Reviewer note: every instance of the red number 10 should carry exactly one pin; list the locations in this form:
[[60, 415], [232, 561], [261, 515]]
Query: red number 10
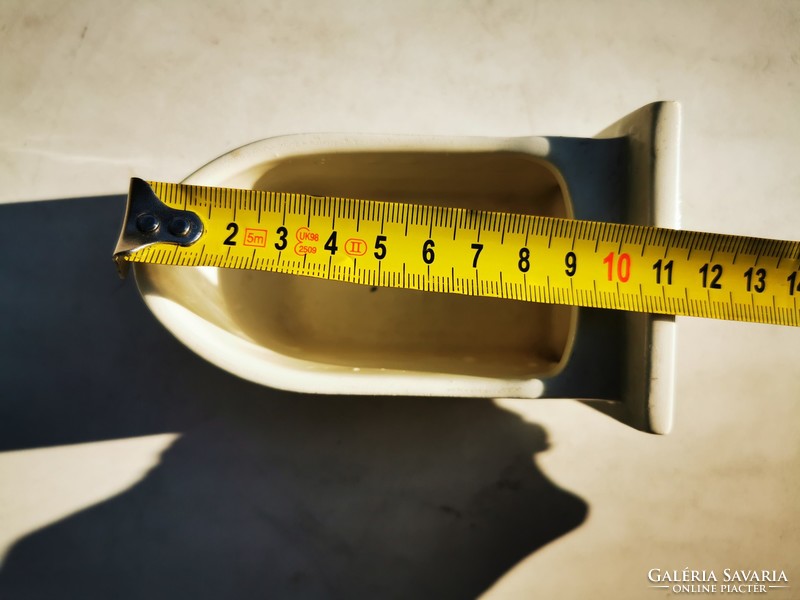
[[623, 266]]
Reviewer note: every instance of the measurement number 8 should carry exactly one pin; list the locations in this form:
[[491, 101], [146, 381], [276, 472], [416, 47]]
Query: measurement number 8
[[524, 263]]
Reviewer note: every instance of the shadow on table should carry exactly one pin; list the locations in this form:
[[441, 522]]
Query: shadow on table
[[266, 493]]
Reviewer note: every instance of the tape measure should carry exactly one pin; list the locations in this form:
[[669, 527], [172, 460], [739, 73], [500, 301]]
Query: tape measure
[[464, 251]]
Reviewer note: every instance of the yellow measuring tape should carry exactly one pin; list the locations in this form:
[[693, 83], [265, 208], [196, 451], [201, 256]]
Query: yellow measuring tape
[[475, 252]]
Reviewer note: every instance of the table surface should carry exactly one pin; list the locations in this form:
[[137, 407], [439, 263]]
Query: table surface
[[130, 467]]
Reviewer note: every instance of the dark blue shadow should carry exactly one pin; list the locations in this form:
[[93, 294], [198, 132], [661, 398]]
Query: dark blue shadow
[[266, 493]]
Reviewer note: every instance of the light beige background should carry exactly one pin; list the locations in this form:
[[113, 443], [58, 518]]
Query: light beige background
[[92, 93]]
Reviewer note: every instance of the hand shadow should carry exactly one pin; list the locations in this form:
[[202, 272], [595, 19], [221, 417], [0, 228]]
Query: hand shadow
[[266, 493]]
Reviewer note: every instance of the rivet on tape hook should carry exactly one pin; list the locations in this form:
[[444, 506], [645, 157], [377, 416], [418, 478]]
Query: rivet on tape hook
[[149, 221]]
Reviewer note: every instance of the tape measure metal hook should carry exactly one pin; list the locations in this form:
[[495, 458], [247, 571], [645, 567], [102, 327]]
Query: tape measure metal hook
[[150, 221]]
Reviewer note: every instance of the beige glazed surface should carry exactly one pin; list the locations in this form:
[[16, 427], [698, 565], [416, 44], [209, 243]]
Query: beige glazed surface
[[308, 335], [290, 328], [359, 326]]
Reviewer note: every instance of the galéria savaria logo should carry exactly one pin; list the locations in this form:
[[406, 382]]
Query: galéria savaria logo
[[727, 581]]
